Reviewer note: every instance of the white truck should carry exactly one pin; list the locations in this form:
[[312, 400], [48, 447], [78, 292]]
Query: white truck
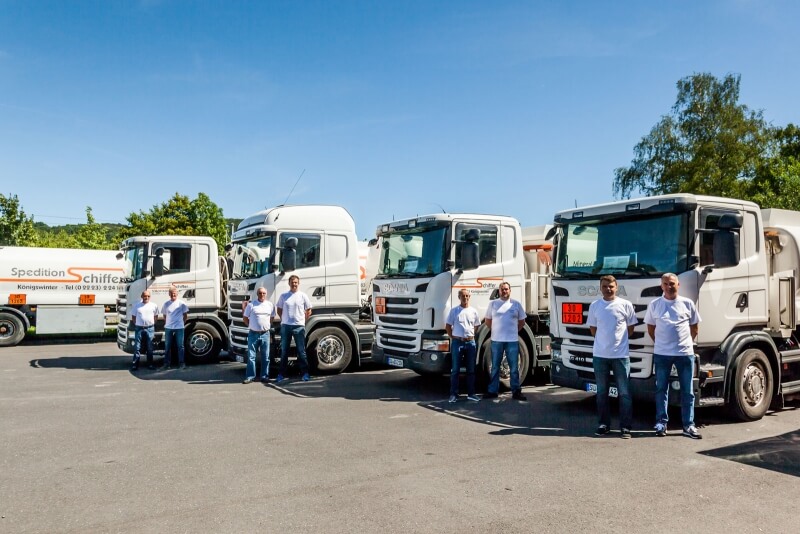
[[57, 291], [317, 243], [192, 264], [426, 260], [738, 263]]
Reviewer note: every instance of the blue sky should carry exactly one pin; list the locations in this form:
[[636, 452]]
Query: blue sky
[[392, 108]]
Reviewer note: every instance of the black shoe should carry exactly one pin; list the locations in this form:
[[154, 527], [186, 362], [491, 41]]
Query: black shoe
[[602, 430], [625, 433], [517, 395], [247, 381], [265, 380], [490, 395]]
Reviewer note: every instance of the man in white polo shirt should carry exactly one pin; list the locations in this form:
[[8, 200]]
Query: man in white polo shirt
[[143, 319], [257, 317], [294, 307]]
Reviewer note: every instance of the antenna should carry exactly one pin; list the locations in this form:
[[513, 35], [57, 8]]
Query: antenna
[[295, 185], [440, 207]]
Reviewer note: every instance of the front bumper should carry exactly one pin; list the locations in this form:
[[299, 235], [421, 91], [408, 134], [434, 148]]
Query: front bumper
[[423, 362]]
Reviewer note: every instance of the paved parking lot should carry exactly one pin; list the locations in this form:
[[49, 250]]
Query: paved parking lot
[[87, 446]]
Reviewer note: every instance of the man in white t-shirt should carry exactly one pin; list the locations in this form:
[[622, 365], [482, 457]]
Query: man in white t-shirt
[[175, 312], [461, 324], [294, 307], [257, 317], [672, 323], [611, 320], [506, 317], [143, 319]]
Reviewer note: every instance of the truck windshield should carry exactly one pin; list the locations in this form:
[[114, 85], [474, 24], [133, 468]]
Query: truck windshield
[[252, 258], [134, 261], [626, 246], [413, 252]]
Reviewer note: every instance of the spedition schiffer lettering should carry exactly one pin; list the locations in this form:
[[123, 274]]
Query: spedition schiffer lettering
[[44, 272]]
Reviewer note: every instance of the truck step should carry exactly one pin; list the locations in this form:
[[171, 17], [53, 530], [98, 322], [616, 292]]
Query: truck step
[[790, 356], [790, 387], [711, 401]]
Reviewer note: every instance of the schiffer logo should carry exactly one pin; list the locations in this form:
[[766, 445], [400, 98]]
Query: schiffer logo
[[70, 276], [594, 291]]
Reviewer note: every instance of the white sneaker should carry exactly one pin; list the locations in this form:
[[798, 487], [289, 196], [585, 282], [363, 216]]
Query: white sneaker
[[453, 399], [473, 398]]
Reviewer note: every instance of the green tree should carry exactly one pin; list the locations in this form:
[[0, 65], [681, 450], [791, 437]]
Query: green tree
[[16, 228], [777, 182], [92, 235], [708, 144], [179, 216]]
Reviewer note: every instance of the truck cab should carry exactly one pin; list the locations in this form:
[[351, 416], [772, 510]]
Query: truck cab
[[191, 264]]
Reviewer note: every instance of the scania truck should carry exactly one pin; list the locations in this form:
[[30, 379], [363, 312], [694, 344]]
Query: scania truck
[[318, 244], [426, 260], [737, 262], [192, 264], [57, 291]]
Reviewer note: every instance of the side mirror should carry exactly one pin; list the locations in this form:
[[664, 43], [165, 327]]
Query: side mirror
[[470, 258], [158, 266], [289, 255], [726, 248]]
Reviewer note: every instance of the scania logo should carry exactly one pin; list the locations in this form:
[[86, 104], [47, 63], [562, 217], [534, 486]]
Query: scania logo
[[594, 291], [394, 287]]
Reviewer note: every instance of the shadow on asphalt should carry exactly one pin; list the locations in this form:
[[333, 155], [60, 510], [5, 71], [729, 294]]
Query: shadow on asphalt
[[778, 453]]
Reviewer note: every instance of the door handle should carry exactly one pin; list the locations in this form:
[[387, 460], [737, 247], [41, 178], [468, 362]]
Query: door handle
[[741, 302], [319, 292]]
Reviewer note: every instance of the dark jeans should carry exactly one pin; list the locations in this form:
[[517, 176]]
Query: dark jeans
[[622, 373], [298, 332], [468, 351], [257, 342], [146, 333], [170, 335], [685, 367]]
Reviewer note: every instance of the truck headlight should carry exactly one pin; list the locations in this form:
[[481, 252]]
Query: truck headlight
[[555, 355], [435, 344]]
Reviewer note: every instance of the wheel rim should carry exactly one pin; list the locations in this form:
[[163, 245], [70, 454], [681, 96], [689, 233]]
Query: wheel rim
[[7, 329], [330, 350], [200, 344], [754, 384]]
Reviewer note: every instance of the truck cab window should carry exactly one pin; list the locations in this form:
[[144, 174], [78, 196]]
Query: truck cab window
[[308, 249], [487, 242]]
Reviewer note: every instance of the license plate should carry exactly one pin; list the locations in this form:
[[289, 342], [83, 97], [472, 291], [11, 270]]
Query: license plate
[[592, 388], [394, 362]]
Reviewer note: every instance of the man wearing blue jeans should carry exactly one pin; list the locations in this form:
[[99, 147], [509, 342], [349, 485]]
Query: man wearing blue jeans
[[143, 319], [175, 312], [461, 324], [672, 323], [611, 320], [505, 317], [294, 307], [257, 317]]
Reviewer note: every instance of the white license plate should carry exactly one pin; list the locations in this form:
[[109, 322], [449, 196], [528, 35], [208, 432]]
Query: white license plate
[[394, 362], [592, 388]]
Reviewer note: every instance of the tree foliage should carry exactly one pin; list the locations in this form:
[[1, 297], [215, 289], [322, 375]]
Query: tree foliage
[[179, 216], [708, 144], [16, 228]]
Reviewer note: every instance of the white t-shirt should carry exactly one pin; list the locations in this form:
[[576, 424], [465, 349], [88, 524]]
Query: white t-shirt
[[505, 316], [293, 308], [173, 311], [260, 314], [145, 313], [611, 318], [672, 319], [463, 321]]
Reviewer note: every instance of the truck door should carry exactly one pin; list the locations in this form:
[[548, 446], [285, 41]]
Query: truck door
[[310, 267], [484, 280], [179, 271], [723, 293], [342, 273]]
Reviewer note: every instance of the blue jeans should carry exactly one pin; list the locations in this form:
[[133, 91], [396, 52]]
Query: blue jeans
[[622, 373], [685, 367], [469, 351], [298, 332], [146, 332], [511, 349], [170, 335], [257, 341]]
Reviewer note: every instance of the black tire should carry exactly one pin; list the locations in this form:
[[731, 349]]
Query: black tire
[[12, 329], [505, 372], [202, 343], [330, 348], [752, 384]]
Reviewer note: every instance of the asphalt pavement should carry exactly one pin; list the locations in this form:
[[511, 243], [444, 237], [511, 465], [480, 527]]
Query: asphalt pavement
[[89, 446]]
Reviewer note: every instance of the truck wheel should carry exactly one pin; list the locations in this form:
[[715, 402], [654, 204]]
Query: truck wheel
[[331, 348], [752, 386], [505, 370], [202, 343], [11, 330]]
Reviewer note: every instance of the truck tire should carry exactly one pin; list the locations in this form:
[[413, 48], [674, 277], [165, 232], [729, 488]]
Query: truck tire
[[12, 330], [202, 343], [505, 371], [752, 386], [331, 348]]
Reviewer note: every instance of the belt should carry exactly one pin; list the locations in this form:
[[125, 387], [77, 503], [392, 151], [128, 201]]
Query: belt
[[259, 331], [467, 339]]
